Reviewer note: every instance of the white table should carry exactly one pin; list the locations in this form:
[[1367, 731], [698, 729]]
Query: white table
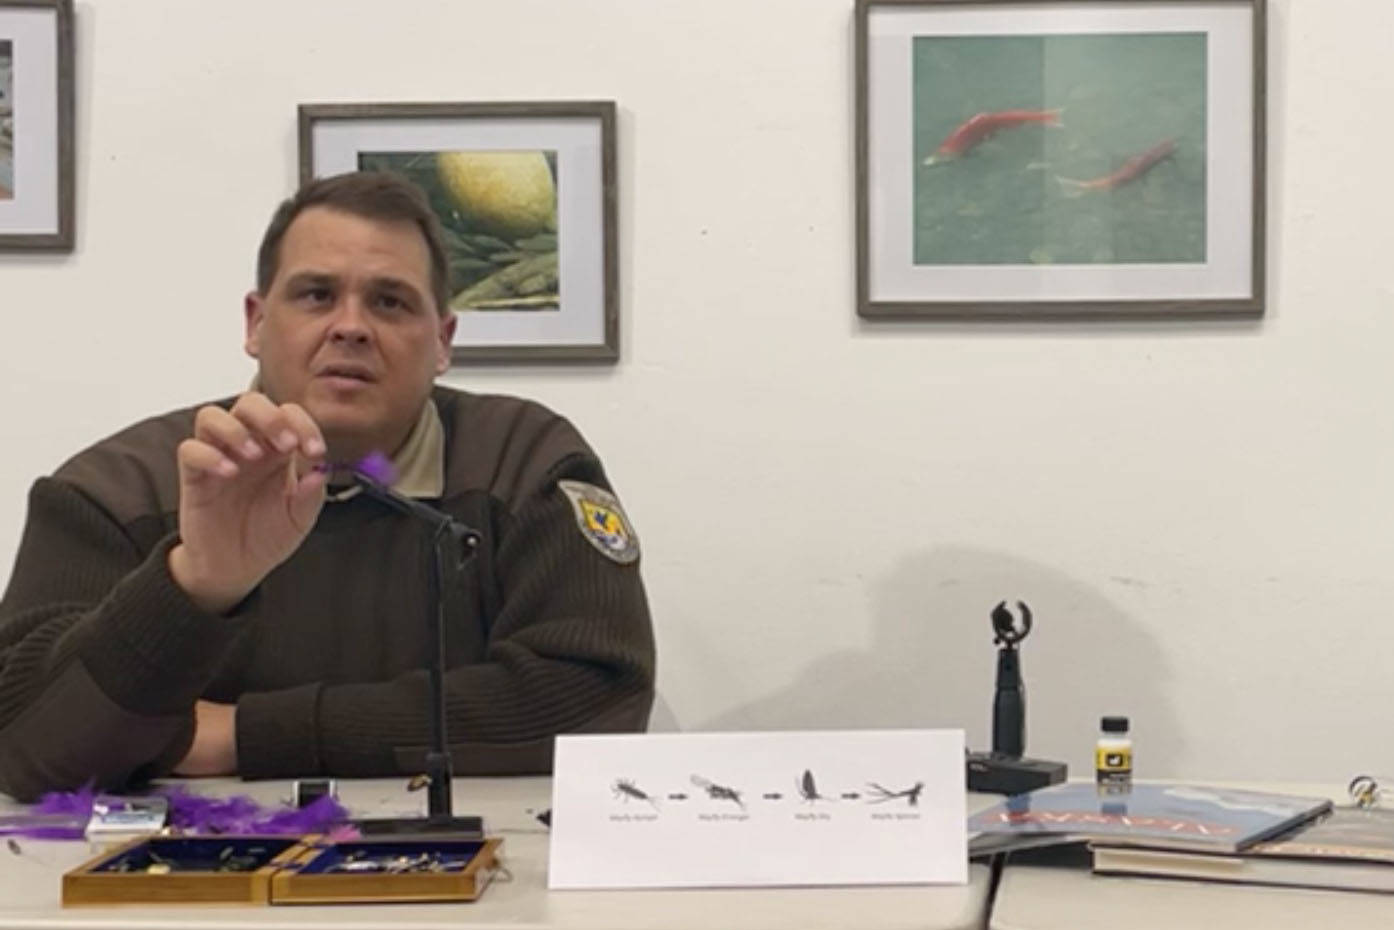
[[1050, 897], [1044, 898], [30, 884]]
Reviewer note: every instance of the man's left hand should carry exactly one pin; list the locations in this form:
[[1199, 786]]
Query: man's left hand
[[214, 750]]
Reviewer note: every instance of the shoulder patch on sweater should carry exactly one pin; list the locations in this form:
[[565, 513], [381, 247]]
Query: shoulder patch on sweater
[[602, 521]]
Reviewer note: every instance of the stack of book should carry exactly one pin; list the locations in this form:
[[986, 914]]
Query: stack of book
[[1199, 832], [1348, 848]]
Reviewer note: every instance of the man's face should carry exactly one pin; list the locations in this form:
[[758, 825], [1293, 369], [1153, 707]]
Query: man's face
[[349, 330]]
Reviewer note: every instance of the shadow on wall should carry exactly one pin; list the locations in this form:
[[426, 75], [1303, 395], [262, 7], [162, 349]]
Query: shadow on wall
[[661, 718], [932, 664]]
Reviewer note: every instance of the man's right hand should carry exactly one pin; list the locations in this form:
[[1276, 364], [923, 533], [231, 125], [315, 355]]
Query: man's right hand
[[249, 493]]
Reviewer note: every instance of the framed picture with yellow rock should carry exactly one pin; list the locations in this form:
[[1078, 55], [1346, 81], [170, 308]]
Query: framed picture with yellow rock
[[526, 195]]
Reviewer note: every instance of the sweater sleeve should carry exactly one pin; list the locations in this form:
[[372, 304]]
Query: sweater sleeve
[[102, 656], [570, 650]]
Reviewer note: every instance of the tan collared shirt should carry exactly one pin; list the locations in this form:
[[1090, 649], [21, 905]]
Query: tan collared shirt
[[420, 462]]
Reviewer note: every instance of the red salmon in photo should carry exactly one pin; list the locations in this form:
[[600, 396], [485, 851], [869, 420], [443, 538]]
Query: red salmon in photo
[[1130, 171], [978, 128]]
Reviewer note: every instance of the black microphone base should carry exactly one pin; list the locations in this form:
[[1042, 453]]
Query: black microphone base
[[994, 773], [470, 828]]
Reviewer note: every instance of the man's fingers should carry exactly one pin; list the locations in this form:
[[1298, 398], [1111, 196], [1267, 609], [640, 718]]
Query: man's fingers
[[198, 460], [266, 422], [310, 439], [286, 428], [216, 427], [307, 497]]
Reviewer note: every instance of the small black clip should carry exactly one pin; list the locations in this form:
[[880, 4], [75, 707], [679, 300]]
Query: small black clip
[[1004, 624]]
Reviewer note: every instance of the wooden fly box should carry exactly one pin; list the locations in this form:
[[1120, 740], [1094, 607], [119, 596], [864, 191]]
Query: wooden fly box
[[182, 870], [388, 870]]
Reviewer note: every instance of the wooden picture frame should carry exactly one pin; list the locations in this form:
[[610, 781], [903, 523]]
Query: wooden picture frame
[[36, 125], [1043, 159], [527, 195]]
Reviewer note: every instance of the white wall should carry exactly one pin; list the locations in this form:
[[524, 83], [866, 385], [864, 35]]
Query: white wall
[[1198, 513]]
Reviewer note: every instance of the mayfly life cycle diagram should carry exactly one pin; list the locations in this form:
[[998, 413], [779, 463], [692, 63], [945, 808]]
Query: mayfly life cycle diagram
[[807, 798]]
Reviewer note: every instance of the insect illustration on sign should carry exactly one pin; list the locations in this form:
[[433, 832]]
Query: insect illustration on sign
[[911, 794], [808, 788], [625, 789], [718, 792]]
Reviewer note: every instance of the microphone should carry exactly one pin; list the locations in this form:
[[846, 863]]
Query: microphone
[[374, 475]]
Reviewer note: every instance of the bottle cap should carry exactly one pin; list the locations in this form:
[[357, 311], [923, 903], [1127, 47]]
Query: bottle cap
[[1114, 724]]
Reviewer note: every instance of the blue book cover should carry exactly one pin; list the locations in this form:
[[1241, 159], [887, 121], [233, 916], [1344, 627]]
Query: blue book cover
[[1175, 816]]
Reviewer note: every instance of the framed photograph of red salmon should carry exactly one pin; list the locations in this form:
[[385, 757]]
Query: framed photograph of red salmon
[[1046, 159], [36, 125], [526, 197]]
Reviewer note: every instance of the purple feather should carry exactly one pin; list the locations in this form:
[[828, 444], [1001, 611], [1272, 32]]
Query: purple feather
[[199, 814], [59, 815], [63, 815], [44, 826], [195, 813], [321, 814], [378, 467], [77, 803]]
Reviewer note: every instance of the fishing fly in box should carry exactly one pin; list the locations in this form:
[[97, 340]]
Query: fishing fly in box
[[388, 870], [283, 870], [182, 870]]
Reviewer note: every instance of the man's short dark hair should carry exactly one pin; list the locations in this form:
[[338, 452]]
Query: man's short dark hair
[[372, 195]]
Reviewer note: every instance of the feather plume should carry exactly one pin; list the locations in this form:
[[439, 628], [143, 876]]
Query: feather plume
[[194, 813], [63, 815], [378, 467]]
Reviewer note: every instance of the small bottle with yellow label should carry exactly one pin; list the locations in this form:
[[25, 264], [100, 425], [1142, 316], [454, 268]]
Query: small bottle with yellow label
[[1113, 754]]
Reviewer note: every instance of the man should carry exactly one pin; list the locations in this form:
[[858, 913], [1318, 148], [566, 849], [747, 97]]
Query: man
[[205, 594]]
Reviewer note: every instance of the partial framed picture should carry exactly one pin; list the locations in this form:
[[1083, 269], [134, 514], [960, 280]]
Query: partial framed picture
[[1044, 159], [36, 125], [526, 193]]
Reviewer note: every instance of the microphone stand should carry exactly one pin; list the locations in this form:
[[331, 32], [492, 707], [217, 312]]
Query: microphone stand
[[453, 545]]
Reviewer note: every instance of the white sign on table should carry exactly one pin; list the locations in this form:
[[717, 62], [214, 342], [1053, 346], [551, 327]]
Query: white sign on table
[[865, 807]]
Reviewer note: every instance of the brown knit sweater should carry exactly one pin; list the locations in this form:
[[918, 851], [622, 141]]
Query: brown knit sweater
[[102, 656]]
